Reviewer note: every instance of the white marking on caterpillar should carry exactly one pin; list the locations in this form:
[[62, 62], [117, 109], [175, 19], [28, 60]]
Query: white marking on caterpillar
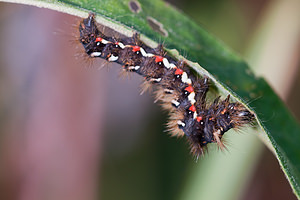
[[121, 45], [105, 41], [180, 123], [166, 63], [134, 67], [191, 98], [143, 52], [113, 58], [168, 91], [175, 103], [172, 66], [185, 78], [195, 115], [150, 55], [155, 80], [95, 54]]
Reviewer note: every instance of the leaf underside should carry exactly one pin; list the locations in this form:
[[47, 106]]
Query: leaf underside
[[229, 72]]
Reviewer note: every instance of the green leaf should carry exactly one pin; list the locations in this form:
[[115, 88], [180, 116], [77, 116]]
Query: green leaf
[[230, 74]]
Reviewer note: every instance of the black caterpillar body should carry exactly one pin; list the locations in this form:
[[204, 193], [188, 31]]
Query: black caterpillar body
[[182, 93]]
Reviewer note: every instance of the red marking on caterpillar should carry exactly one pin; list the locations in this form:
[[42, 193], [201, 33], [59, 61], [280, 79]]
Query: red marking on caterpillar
[[192, 108], [98, 39], [178, 72], [135, 48], [183, 94], [158, 59], [199, 118], [189, 89]]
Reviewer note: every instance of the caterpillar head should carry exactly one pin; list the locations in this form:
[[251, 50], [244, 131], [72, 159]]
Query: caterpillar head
[[88, 31]]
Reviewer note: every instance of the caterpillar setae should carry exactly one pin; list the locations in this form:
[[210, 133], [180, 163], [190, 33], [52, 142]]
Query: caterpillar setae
[[179, 90]]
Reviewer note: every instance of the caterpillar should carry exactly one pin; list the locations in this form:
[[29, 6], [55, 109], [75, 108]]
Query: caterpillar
[[179, 90]]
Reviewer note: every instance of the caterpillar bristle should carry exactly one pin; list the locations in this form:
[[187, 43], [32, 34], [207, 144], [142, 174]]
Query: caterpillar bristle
[[217, 138], [124, 74], [145, 87], [172, 125], [177, 88]]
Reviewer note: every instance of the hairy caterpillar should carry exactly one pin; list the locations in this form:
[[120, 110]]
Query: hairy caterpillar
[[181, 92]]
